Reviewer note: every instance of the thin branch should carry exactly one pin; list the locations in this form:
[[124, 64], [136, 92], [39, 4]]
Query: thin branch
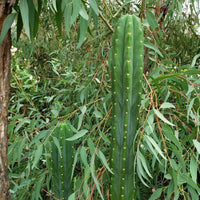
[[106, 21]]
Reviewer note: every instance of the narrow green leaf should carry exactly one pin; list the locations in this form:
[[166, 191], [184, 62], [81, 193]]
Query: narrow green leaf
[[169, 134], [67, 17], [82, 31], [179, 156], [37, 155], [167, 105], [153, 47], [72, 197], [94, 6], [103, 159], [191, 72], [151, 19], [20, 149], [105, 138], [91, 146], [92, 168], [56, 142], [193, 193], [98, 114], [175, 181], [160, 78], [74, 163], [83, 155], [140, 168], [193, 169], [6, 25], [77, 135], [83, 13], [151, 148], [76, 8], [190, 182], [156, 146], [160, 115], [32, 17], [83, 109], [197, 145], [170, 190], [194, 60], [189, 109], [54, 5], [156, 194], [144, 164], [24, 9], [80, 120], [21, 123], [139, 173]]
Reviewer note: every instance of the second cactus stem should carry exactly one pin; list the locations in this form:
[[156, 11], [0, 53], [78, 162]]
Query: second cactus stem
[[62, 161], [126, 63]]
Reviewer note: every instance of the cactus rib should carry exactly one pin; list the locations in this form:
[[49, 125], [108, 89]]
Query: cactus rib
[[127, 68]]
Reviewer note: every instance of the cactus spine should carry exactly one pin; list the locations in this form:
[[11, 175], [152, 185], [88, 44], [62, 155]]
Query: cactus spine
[[62, 161], [126, 63]]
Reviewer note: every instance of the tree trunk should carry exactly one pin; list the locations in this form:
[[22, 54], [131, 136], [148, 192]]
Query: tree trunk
[[5, 58]]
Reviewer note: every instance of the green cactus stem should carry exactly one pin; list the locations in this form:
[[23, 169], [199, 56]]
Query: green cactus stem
[[126, 63], [62, 161]]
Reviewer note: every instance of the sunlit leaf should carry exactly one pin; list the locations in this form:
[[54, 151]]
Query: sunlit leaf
[[97, 114], [194, 60], [151, 149], [193, 193], [155, 146], [197, 145], [6, 25], [74, 163], [72, 196], [193, 169], [82, 31], [67, 17], [83, 13], [167, 105], [189, 109], [161, 116], [144, 164], [54, 5], [77, 135], [94, 6], [23, 4], [103, 159], [156, 194]]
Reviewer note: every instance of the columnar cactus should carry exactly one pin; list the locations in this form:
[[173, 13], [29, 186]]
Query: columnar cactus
[[62, 161], [126, 63]]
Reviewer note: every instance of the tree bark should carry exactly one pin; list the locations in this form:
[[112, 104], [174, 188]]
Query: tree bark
[[5, 61]]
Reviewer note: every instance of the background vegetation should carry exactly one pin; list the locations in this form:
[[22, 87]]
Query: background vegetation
[[53, 82]]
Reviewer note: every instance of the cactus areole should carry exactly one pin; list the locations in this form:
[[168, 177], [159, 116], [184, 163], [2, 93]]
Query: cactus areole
[[126, 63]]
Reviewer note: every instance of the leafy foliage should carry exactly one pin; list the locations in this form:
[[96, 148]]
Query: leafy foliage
[[53, 82]]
